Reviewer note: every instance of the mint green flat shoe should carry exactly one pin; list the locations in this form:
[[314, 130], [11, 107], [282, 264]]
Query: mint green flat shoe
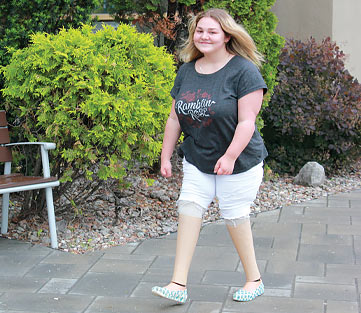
[[243, 295], [179, 296]]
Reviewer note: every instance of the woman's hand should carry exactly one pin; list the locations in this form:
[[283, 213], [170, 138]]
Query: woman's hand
[[224, 165], [166, 168]]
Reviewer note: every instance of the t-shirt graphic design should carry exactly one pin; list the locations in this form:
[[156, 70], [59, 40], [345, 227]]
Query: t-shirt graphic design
[[195, 108]]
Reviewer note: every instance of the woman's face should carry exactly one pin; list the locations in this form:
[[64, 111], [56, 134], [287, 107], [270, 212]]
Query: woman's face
[[209, 36]]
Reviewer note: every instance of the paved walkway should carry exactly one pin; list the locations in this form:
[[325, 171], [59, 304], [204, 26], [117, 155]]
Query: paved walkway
[[309, 255]]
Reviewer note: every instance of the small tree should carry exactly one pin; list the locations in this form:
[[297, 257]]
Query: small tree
[[102, 97]]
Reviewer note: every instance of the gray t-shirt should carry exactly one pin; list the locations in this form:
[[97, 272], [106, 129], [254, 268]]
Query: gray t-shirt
[[207, 106]]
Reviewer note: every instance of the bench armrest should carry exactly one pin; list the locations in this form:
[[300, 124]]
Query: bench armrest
[[46, 145]]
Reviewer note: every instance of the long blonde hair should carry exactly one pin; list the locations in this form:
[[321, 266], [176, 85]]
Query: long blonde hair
[[240, 43]]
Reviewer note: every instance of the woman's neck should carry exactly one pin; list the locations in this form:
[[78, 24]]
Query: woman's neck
[[211, 63]]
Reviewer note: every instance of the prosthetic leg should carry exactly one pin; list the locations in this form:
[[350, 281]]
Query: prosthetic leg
[[241, 234], [189, 224]]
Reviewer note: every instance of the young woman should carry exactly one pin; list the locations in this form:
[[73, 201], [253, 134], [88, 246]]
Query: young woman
[[217, 95]]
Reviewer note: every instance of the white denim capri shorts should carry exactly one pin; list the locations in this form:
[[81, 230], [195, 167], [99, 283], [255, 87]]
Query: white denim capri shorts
[[235, 192]]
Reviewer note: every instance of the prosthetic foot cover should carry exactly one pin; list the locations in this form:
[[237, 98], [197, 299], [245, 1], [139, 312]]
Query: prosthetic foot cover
[[179, 296], [243, 295]]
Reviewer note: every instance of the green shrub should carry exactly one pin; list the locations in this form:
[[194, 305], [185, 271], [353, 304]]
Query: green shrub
[[21, 18], [315, 112], [102, 97]]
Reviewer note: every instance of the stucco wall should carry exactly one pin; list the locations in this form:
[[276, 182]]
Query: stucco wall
[[346, 30], [301, 19], [338, 19]]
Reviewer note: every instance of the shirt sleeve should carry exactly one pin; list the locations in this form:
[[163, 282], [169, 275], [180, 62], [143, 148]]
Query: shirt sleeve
[[177, 82], [250, 80]]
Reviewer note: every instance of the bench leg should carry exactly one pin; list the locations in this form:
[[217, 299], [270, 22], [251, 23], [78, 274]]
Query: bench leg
[[5, 213], [51, 217]]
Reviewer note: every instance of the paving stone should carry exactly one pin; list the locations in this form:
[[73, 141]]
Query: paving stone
[[15, 246], [162, 276], [58, 286], [160, 246], [325, 291], [334, 202], [106, 284], [356, 220], [266, 217], [120, 266], [332, 212], [216, 228], [278, 281], [284, 242], [205, 307], [222, 258], [118, 305], [222, 239], [314, 229], [324, 239], [18, 264], [122, 249], [47, 270], [21, 284], [227, 278], [350, 271], [355, 204], [295, 267], [128, 257], [339, 280], [11, 311], [267, 304], [341, 306], [344, 230], [277, 254], [354, 194], [207, 293], [272, 292], [60, 257], [262, 242], [44, 302], [326, 254], [279, 229], [261, 266], [163, 261]]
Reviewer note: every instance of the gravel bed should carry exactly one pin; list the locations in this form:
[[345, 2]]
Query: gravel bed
[[149, 211]]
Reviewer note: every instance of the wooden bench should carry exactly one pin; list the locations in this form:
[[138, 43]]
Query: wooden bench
[[16, 182]]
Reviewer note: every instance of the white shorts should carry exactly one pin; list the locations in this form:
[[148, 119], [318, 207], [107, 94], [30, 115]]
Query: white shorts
[[235, 192]]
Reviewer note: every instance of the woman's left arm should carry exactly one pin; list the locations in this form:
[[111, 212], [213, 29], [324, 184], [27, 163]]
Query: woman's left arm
[[248, 108]]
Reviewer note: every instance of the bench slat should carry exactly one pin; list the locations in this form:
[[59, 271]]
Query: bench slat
[[9, 181]]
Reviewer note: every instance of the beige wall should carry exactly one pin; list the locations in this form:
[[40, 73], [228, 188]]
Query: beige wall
[[338, 19], [346, 31]]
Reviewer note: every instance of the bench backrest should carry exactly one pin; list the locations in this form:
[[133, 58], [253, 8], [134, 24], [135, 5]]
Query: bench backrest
[[5, 152]]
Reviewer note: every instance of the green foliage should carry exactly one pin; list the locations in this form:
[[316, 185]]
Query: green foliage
[[102, 97], [20, 18], [315, 112]]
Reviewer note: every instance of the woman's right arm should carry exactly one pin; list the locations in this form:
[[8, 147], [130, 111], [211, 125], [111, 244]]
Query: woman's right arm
[[171, 136]]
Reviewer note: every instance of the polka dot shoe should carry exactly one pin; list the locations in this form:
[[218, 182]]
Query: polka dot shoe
[[179, 296], [243, 295]]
